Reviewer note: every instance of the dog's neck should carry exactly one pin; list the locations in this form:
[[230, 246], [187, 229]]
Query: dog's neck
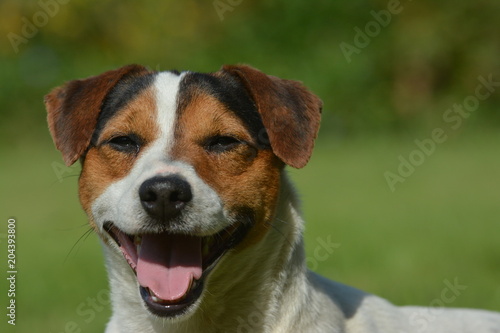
[[247, 291]]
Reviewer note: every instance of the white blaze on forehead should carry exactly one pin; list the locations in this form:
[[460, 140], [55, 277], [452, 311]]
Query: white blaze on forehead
[[166, 88], [156, 155]]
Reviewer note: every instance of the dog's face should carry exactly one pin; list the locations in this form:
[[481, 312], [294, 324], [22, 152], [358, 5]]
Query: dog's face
[[180, 168]]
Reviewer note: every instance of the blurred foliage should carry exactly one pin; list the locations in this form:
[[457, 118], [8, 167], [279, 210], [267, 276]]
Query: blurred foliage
[[426, 58]]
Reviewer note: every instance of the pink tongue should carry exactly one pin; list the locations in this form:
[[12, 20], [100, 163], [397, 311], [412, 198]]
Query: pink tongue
[[168, 263]]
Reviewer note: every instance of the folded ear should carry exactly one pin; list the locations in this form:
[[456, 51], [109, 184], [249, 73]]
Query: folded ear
[[290, 113], [73, 109]]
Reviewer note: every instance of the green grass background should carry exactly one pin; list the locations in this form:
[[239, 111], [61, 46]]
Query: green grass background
[[442, 223]]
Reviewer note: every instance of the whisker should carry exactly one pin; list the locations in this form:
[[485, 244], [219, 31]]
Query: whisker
[[271, 224], [280, 220], [83, 237], [73, 228]]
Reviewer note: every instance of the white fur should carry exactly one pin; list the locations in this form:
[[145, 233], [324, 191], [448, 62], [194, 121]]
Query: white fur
[[166, 88]]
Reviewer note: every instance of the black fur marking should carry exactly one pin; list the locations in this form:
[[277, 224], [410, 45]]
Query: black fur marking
[[119, 96], [232, 94]]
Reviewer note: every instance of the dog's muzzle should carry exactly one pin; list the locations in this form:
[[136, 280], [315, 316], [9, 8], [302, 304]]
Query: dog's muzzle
[[171, 267]]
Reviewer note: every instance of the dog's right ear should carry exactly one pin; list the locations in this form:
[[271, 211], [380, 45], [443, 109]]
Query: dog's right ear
[[73, 109]]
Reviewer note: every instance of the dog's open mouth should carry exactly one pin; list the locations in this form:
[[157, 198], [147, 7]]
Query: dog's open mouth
[[171, 268]]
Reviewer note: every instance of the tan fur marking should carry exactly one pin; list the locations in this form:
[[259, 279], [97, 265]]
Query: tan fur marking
[[73, 109], [245, 178], [103, 165]]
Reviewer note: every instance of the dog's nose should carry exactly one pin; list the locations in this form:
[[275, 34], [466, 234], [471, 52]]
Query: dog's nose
[[164, 197]]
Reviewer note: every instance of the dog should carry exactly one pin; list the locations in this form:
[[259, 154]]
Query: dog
[[183, 178]]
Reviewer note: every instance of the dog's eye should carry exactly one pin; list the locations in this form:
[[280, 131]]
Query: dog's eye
[[221, 143], [125, 143]]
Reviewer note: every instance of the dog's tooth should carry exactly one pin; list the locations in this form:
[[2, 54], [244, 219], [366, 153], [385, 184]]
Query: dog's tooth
[[194, 284], [137, 242]]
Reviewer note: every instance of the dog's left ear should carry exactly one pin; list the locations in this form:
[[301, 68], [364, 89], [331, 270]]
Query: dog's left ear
[[73, 109], [290, 113]]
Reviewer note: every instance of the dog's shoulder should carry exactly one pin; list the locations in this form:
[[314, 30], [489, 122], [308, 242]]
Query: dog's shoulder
[[351, 301], [364, 312]]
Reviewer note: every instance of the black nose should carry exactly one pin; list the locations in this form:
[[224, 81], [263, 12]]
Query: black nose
[[164, 197]]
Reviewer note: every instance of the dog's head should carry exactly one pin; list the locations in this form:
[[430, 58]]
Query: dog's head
[[180, 168]]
